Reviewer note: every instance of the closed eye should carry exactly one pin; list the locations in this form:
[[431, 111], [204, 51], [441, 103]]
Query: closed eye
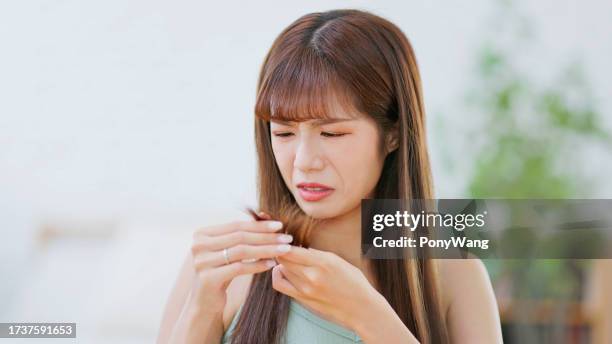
[[283, 134], [328, 134], [324, 133]]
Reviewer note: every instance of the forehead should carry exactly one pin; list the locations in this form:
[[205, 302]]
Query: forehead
[[304, 100], [333, 108], [315, 122]]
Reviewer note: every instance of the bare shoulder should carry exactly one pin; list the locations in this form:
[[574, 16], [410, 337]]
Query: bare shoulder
[[468, 299], [453, 271], [457, 275]]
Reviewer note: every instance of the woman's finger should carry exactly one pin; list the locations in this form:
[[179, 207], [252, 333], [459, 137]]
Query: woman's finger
[[215, 243], [209, 259], [265, 215], [282, 284], [295, 277], [305, 256], [300, 282], [250, 226], [230, 271], [295, 268]]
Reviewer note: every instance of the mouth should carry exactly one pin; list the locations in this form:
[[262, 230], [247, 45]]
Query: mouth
[[312, 192]]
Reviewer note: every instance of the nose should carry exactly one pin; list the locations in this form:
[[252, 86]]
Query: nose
[[307, 155]]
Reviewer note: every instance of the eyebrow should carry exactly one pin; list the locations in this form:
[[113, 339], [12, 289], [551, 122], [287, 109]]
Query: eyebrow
[[316, 122]]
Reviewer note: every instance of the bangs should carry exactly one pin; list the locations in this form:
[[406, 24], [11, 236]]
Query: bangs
[[302, 87]]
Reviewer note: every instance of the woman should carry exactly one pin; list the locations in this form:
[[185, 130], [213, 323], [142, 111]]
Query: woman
[[339, 118]]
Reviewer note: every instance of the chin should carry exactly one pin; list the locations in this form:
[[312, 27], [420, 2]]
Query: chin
[[318, 210]]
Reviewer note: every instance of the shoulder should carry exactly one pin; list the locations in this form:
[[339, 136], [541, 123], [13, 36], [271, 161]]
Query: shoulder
[[462, 271], [468, 298], [459, 276]]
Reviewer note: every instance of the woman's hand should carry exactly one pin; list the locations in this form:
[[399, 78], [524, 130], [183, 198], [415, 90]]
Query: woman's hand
[[327, 284], [251, 248]]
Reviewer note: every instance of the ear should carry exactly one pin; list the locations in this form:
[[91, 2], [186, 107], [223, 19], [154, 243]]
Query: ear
[[392, 140]]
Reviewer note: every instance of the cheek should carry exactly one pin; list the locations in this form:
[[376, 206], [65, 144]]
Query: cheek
[[284, 159], [359, 164]]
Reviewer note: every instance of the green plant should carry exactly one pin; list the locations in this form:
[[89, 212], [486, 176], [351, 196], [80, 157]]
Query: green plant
[[526, 139]]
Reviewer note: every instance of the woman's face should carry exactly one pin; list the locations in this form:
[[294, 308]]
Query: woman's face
[[328, 165]]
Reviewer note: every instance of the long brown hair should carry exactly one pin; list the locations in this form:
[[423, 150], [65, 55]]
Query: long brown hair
[[367, 64]]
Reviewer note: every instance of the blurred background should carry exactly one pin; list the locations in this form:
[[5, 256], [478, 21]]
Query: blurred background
[[125, 125]]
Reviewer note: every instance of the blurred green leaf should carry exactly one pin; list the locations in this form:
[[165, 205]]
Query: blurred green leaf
[[525, 143]]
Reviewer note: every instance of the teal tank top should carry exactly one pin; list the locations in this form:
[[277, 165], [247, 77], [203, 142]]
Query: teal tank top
[[304, 327]]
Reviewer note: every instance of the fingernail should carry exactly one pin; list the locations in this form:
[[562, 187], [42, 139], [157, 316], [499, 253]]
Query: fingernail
[[283, 248], [275, 225], [287, 238], [270, 263]]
